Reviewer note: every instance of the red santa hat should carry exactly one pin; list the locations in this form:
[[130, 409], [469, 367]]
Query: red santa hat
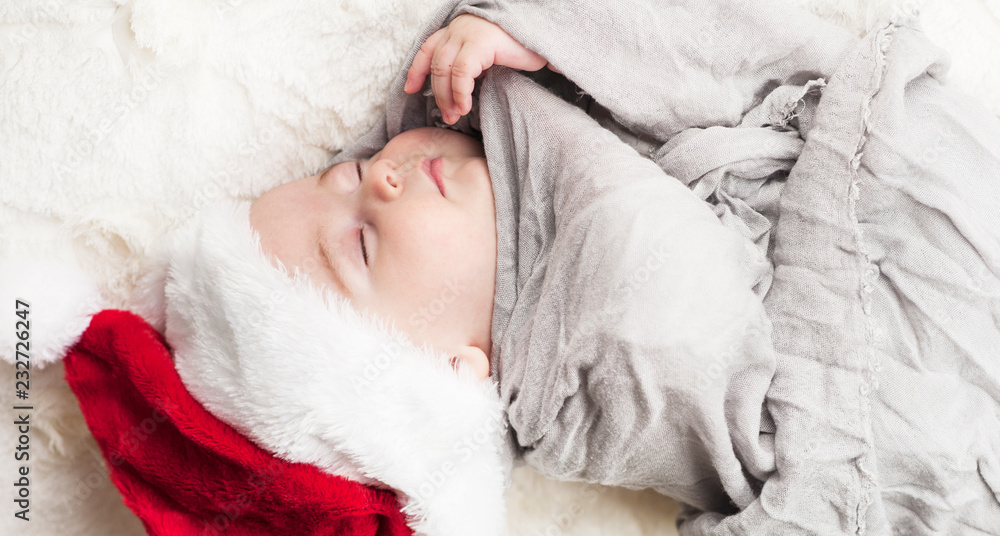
[[306, 376]]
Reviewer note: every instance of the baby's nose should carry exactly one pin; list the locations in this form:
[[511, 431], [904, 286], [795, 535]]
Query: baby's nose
[[387, 180]]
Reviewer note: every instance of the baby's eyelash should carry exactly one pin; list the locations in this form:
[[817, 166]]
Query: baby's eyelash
[[361, 230], [364, 250]]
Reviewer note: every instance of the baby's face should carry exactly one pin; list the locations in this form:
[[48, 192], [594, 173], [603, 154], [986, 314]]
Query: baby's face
[[409, 234]]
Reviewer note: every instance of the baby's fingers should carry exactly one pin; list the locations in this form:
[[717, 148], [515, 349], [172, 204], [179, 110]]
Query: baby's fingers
[[469, 64], [441, 68], [421, 66]]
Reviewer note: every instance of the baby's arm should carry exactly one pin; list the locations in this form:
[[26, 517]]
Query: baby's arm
[[456, 54]]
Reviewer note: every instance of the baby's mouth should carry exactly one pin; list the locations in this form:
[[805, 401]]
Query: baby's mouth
[[433, 169]]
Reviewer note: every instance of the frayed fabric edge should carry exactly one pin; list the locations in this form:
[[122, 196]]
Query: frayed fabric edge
[[869, 275]]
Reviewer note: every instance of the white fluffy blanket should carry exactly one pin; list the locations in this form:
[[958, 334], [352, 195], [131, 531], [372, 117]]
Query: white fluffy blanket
[[119, 118]]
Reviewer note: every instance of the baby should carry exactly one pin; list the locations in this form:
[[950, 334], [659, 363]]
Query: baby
[[605, 275], [413, 223], [416, 221], [410, 235], [418, 318], [344, 320]]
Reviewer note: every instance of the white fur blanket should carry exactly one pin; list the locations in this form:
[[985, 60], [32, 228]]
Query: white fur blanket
[[119, 118]]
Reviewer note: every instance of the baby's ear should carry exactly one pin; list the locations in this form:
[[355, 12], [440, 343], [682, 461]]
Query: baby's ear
[[475, 360]]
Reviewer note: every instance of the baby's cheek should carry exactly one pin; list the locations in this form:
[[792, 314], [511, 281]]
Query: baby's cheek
[[442, 231]]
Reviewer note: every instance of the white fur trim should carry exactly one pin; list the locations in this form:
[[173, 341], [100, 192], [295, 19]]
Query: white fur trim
[[61, 297], [307, 377]]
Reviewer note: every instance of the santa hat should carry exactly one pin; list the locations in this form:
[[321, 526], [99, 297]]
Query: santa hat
[[307, 377]]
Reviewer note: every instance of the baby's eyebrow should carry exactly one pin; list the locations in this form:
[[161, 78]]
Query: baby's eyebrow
[[326, 253]]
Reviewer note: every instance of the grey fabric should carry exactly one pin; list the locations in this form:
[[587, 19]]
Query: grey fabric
[[610, 309], [633, 338]]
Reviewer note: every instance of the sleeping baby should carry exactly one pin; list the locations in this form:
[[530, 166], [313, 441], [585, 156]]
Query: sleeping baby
[[393, 233], [583, 290], [365, 319]]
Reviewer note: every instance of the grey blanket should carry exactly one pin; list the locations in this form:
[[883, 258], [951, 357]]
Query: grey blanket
[[819, 356]]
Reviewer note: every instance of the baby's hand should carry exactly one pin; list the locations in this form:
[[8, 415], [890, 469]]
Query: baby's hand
[[458, 53]]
